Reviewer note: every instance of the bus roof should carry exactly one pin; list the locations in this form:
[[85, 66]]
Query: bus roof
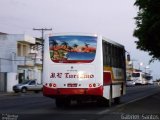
[[112, 42], [75, 34]]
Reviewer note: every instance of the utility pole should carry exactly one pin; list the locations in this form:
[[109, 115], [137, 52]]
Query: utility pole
[[42, 31]]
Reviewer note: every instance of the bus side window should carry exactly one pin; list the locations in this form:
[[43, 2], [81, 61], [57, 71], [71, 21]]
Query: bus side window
[[109, 62], [104, 54]]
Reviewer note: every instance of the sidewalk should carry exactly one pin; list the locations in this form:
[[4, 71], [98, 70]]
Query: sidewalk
[[16, 94], [7, 93]]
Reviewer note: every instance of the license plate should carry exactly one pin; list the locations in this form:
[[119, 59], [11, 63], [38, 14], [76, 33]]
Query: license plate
[[72, 85]]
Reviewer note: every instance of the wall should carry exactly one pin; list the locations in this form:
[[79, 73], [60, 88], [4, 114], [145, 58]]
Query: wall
[[12, 80], [8, 46], [3, 82]]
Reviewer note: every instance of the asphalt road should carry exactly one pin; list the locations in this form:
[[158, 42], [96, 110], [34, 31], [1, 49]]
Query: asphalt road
[[32, 106]]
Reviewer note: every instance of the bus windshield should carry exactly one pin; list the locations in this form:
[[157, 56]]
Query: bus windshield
[[135, 74], [72, 49]]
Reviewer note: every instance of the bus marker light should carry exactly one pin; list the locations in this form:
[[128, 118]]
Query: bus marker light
[[54, 85], [50, 84], [94, 85]]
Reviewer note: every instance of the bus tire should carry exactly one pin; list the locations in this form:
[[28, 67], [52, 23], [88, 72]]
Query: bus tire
[[67, 102], [59, 102], [102, 102], [117, 100], [109, 103]]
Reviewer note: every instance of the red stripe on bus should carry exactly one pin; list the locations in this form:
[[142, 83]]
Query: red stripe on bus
[[72, 91], [107, 78]]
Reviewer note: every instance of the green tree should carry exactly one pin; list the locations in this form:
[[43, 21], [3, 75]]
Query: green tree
[[148, 27]]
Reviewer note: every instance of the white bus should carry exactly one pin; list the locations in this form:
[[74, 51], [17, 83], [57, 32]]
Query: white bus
[[149, 79], [141, 78], [82, 67]]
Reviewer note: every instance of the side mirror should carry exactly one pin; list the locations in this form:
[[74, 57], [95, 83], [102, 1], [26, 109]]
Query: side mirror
[[128, 57]]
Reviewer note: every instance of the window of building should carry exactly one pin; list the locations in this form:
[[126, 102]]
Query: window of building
[[22, 49]]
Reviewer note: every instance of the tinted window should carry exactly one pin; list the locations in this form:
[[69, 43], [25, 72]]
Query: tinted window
[[32, 83], [113, 55], [135, 74]]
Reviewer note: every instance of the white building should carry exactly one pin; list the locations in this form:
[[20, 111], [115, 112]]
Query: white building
[[21, 54]]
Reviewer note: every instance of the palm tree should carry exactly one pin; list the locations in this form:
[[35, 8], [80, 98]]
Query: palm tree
[[86, 45], [54, 43], [70, 48], [65, 44], [83, 49], [75, 45]]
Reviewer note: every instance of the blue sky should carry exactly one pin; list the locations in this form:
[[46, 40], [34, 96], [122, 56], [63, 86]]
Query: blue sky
[[110, 18]]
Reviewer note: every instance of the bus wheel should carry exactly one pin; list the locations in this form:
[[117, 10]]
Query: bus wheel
[[109, 102], [67, 102], [117, 100], [59, 102], [102, 102], [79, 102]]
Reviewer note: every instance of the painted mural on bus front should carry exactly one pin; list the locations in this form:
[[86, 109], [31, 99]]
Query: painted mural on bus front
[[72, 49]]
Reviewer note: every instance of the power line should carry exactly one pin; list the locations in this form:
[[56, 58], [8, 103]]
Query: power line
[[13, 60], [42, 30]]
